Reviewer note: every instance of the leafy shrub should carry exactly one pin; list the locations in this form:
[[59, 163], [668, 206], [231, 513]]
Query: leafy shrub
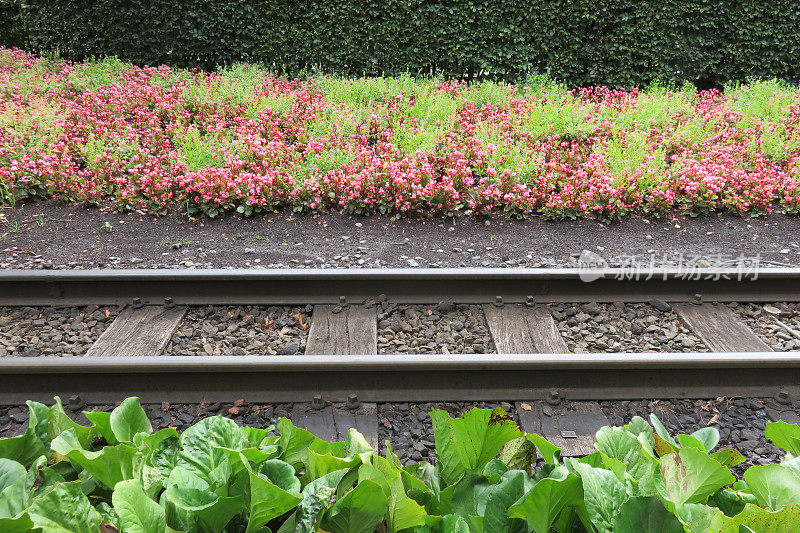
[[59, 476], [581, 42]]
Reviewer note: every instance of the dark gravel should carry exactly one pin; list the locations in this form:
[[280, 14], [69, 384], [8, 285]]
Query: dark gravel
[[777, 323], [624, 327], [442, 328], [52, 331], [49, 234], [242, 330]]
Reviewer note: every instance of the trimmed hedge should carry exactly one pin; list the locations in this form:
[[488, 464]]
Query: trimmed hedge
[[581, 42]]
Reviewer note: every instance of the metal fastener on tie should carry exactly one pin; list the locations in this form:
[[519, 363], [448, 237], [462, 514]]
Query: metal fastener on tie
[[353, 402]]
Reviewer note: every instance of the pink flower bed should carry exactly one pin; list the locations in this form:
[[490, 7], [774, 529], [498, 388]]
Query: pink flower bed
[[152, 138]]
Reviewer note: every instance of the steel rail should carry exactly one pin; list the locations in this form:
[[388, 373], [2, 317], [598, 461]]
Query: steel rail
[[321, 286], [401, 377]]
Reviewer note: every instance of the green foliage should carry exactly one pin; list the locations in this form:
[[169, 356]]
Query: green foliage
[[584, 42], [218, 477]]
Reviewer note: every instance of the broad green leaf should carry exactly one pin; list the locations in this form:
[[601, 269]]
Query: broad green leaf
[[755, 519], [731, 502], [297, 442], [519, 453], [64, 509], [603, 493], [58, 421], [687, 441], [110, 465], [549, 452], [356, 443], [318, 465], [626, 449], [136, 511], [696, 516], [274, 490], [360, 511], [545, 501], [196, 510], [403, 512], [792, 464], [498, 498], [639, 426], [10, 471], [661, 431], [128, 419], [102, 423], [645, 514], [728, 457], [317, 496], [784, 436], [200, 448], [20, 524], [33, 443], [708, 436], [16, 496], [691, 476], [773, 485], [468, 491], [470, 441]]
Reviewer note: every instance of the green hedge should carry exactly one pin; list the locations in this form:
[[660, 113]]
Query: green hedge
[[582, 42], [12, 33]]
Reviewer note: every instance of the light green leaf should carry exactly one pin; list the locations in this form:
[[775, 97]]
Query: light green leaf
[[274, 490], [545, 501], [403, 512], [628, 455], [33, 443], [691, 476], [110, 465], [10, 471], [64, 509], [470, 441], [137, 513], [728, 457], [58, 421], [360, 511], [645, 514], [498, 498], [603, 493], [784, 436], [549, 452], [758, 520], [519, 453], [200, 448], [101, 421], [128, 419], [708, 436], [661, 431], [317, 496], [773, 485]]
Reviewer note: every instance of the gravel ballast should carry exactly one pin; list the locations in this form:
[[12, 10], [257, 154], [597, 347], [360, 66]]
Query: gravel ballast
[[52, 331], [443, 328], [242, 330], [623, 327], [777, 323]]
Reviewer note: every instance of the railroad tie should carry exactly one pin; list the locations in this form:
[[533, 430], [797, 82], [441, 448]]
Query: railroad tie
[[332, 422], [343, 330], [720, 328], [518, 329], [142, 331], [570, 426]]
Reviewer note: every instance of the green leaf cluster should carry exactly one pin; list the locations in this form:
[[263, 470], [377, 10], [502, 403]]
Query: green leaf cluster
[[490, 476]]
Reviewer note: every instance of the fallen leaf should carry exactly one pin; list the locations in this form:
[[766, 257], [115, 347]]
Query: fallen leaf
[[234, 410], [714, 420], [165, 406], [238, 403], [525, 406]]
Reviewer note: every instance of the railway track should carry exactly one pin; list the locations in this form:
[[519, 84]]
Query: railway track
[[342, 377]]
